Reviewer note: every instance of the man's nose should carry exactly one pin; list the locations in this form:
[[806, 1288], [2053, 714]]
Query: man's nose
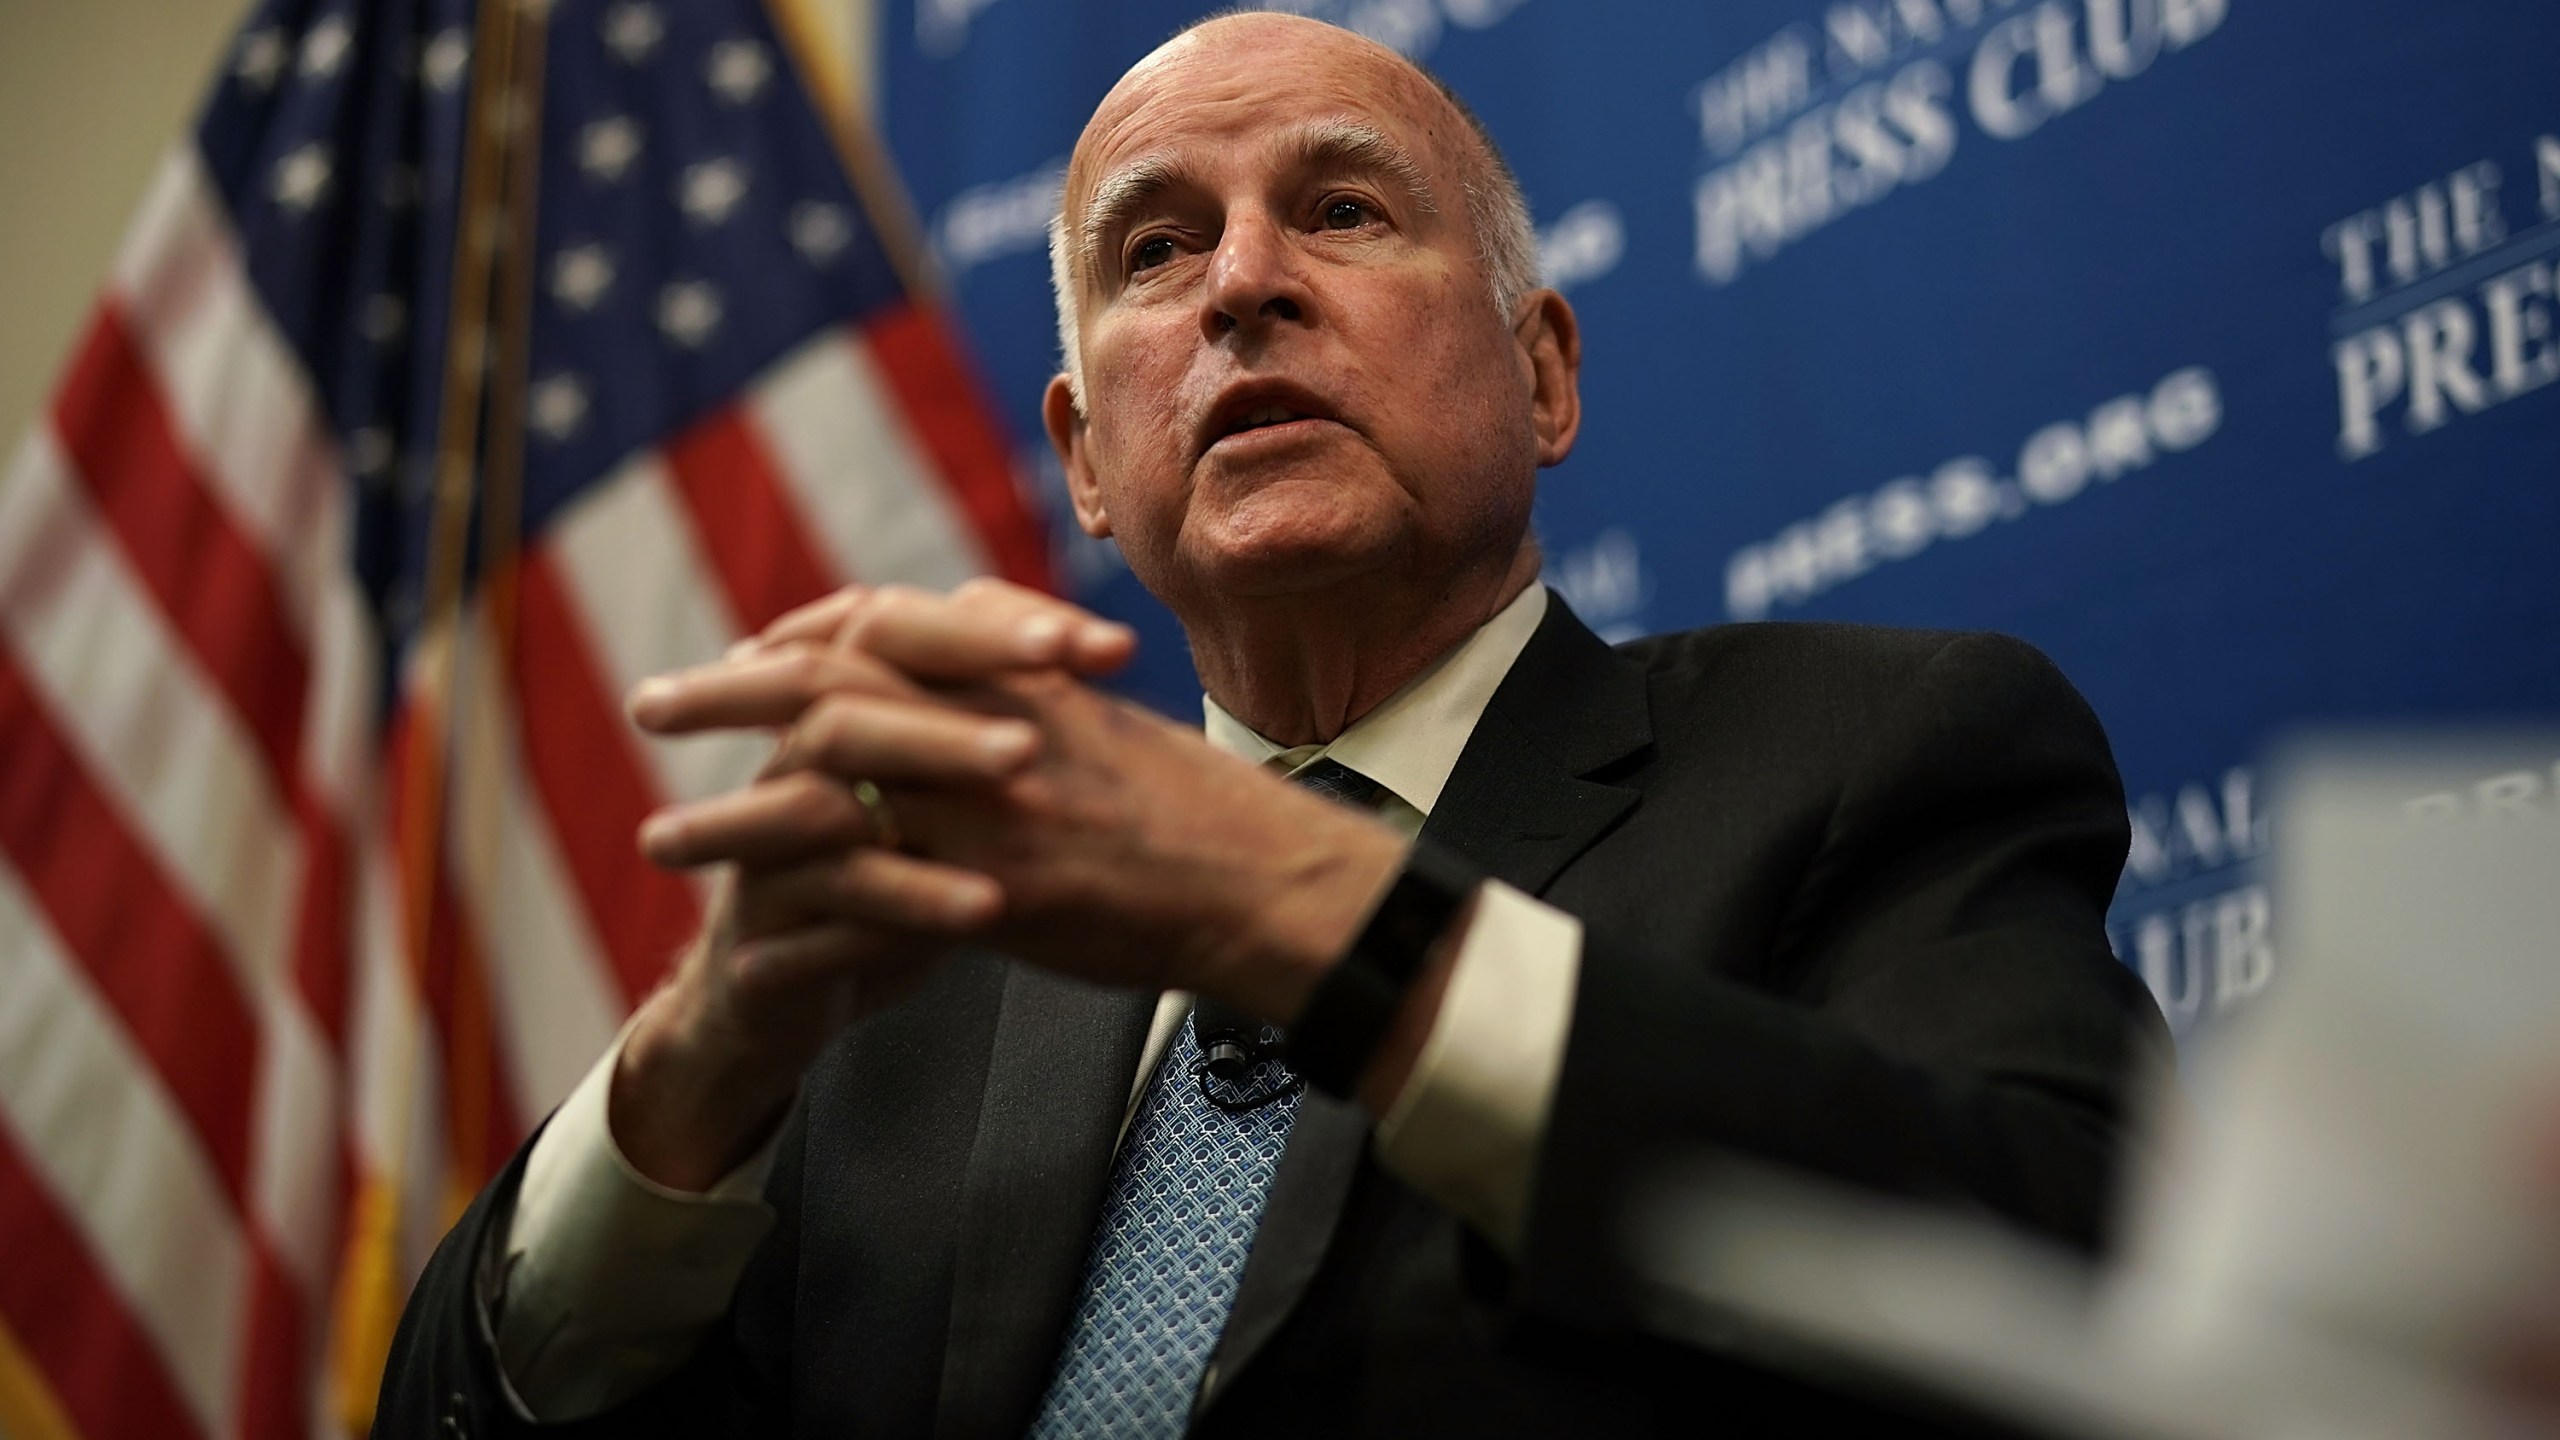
[[1254, 279]]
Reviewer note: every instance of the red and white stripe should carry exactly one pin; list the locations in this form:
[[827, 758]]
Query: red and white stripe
[[212, 1031]]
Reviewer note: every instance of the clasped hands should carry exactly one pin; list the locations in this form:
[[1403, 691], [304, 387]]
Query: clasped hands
[[1033, 815]]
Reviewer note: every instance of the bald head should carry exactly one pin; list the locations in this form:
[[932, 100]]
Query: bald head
[[1224, 53]]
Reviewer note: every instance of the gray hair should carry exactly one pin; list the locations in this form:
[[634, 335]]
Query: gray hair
[[1506, 242]]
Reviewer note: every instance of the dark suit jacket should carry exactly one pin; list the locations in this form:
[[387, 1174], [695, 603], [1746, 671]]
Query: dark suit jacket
[[1843, 893]]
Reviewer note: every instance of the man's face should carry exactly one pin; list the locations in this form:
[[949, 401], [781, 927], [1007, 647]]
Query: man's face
[[1294, 371]]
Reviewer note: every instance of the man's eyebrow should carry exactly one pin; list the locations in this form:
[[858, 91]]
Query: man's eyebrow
[[1353, 145], [1116, 197], [1312, 146]]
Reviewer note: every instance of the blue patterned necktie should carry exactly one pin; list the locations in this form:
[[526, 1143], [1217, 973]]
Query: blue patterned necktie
[[1186, 1196]]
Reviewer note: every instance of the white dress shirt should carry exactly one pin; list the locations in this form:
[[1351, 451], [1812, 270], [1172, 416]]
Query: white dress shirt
[[607, 1281]]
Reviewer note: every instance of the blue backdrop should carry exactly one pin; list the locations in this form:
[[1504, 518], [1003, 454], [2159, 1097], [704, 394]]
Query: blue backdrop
[[2208, 344]]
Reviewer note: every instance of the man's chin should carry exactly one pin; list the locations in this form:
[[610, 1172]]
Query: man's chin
[[1299, 564]]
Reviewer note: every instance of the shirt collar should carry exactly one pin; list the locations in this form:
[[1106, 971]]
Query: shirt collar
[[1411, 742]]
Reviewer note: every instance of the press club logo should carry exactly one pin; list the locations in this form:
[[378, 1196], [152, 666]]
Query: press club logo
[[2445, 308], [1826, 118]]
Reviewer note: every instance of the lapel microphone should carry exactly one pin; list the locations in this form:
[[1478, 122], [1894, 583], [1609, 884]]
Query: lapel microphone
[[1233, 1045]]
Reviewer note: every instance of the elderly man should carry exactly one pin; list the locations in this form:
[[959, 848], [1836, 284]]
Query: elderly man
[[1829, 897]]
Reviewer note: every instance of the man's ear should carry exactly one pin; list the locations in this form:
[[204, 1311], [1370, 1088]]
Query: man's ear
[[1066, 436], [1551, 341]]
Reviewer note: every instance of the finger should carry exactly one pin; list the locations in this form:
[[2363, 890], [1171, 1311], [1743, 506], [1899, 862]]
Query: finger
[[816, 622], [868, 886], [767, 687], [806, 800], [985, 629], [1088, 645], [862, 737], [1102, 648], [777, 821]]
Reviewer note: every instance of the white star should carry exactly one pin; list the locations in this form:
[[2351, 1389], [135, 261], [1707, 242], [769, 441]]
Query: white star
[[559, 406], [369, 453], [738, 69], [580, 275], [384, 319], [632, 31], [820, 231], [301, 178], [447, 60], [325, 46], [688, 311], [710, 191], [261, 59], [607, 147]]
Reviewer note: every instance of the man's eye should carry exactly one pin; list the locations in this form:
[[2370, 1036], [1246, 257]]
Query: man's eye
[[1151, 252], [1347, 215]]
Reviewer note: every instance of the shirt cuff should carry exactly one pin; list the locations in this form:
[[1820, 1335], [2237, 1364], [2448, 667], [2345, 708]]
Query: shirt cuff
[[609, 1280], [1466, 1129]]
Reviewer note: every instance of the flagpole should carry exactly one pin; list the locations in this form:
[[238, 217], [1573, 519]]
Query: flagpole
[[502, 125], [478, 737], [827, 77]]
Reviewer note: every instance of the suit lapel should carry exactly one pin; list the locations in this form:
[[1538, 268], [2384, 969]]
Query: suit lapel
[[1518, 807], [1057, 1087], [1518, 804]]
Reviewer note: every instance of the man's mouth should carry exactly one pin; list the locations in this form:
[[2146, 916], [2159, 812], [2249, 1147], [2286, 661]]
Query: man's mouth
[[1266, 406], [1264, 416]]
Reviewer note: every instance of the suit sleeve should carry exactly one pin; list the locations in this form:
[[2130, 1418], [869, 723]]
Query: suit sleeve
[[443, 1380], [1942, 1018]]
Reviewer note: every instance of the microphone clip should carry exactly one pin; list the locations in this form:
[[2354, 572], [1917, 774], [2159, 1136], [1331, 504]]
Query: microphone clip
[[1233, 1047]]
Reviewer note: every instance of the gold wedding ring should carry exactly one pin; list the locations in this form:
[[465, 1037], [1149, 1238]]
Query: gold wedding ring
[[875, 809]]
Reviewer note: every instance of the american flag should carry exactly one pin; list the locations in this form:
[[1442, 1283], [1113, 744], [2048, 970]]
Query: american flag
[[464, 366]]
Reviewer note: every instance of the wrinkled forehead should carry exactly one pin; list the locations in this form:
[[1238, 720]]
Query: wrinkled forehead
[[1252, 85]]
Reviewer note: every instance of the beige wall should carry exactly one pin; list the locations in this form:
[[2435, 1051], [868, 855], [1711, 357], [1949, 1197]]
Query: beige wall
[[91, 93]]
